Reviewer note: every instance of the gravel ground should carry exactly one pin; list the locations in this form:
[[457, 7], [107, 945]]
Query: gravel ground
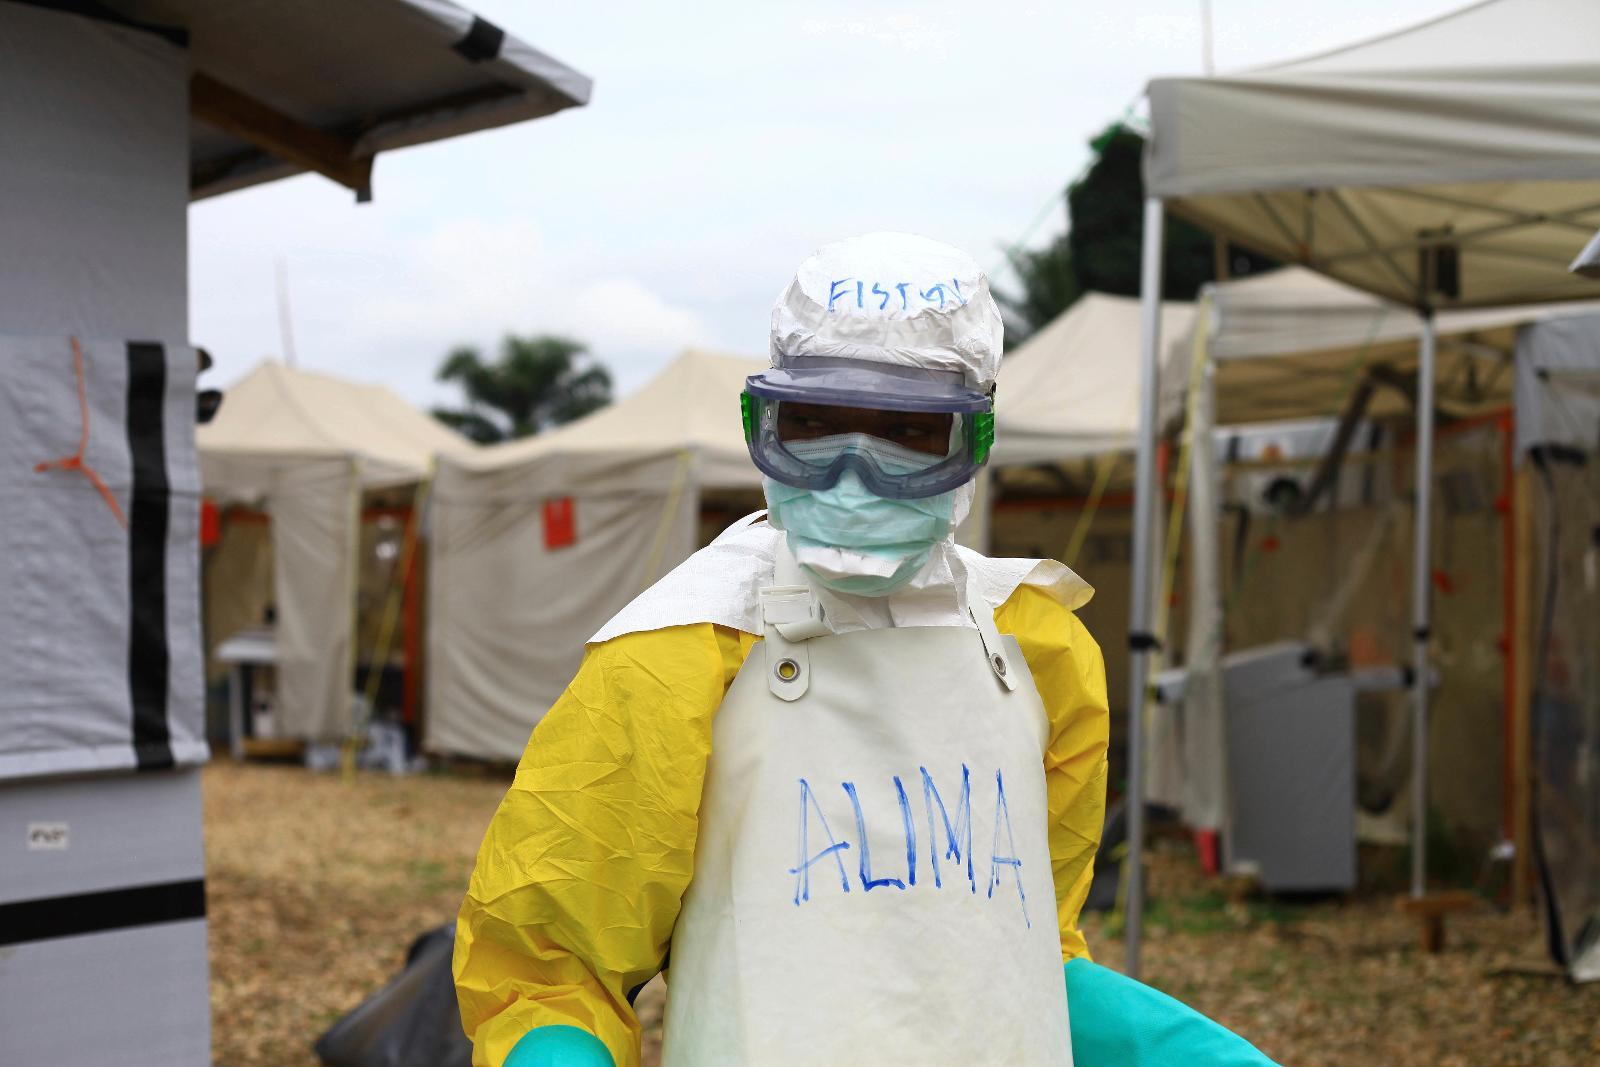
[[316, 888]]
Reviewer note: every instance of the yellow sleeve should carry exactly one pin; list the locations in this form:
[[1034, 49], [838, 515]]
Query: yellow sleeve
[[583, 868], [1071, 676]]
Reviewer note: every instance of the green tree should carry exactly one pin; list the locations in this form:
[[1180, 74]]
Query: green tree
[[1101, 248], [1046, 286], [534, 383]]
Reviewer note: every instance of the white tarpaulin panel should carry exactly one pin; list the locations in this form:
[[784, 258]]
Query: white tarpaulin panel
[[1072, 388], [100, 637], [92, 179], [1478, 130], [525, 562]]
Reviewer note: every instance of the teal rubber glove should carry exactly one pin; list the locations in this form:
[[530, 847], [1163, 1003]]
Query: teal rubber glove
[[1117, 1022], [559, 1046]]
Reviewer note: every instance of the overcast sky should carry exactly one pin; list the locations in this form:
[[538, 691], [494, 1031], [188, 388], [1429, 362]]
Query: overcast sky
[[723, 143]]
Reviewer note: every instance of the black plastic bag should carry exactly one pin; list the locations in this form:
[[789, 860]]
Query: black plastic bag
[[411, 1022]]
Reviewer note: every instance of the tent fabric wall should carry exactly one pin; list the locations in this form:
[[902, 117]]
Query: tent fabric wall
[[1558, 437], [305, 446], [510, 606], [100, 639], [315, 508], [1566, 708]]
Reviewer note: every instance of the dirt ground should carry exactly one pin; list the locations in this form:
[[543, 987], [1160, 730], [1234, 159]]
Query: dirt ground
[[317, 887]]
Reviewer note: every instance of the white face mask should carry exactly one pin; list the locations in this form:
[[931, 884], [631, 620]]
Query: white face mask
[[853, 541]]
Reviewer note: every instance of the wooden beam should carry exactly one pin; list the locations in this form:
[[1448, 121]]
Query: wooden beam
[[270, 130]]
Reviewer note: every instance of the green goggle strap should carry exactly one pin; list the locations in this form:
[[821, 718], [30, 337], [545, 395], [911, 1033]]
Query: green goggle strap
[[748, 411], [982, 435]]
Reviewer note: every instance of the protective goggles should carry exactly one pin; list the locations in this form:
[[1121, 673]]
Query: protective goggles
[[905, 432]]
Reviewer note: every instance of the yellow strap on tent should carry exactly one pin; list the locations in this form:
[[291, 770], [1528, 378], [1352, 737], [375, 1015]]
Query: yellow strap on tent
[[658, 545], [1103, 464]]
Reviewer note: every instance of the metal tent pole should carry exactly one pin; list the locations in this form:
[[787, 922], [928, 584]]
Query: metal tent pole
[[1139, 638], [1421, 589]]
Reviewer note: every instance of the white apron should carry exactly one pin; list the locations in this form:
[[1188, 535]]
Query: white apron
[[872, 877]]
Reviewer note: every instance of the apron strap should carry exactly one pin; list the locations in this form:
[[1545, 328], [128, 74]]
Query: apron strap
[[994, 649], [791, 615]]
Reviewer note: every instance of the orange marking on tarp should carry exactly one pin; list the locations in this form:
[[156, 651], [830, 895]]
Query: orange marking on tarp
[[75, 461]]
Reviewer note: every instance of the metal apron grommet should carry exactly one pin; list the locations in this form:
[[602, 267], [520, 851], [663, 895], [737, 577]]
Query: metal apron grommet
[[787, 670], [982, 617]]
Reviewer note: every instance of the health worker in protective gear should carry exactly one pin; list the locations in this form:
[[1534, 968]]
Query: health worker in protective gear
[[840, 778]]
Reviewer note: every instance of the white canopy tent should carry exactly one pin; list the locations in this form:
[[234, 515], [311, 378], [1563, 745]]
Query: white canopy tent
[[304, 446], [1454, 164], [1072, 388], [535, 544], [1289, 345]]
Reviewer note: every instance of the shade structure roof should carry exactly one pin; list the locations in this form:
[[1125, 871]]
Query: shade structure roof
[[691, 406], [280, 415], [1072, 389], [1292, 344], [1476, 133], [293, 85]]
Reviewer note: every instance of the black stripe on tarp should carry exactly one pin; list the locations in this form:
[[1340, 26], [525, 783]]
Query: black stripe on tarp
[[149, 661], [482, 42], [96, 913]]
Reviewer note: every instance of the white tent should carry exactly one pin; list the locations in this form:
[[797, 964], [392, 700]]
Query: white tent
[[1072, 388], [535, 544], [304, 446], [1453, 164]]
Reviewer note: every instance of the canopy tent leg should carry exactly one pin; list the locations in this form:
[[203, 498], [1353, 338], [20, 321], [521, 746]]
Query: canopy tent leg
[[1206, 783], [1139, 636], [1421, 589]]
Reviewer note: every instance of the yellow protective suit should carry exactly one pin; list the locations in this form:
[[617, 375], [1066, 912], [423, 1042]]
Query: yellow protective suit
[[584, 866]]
